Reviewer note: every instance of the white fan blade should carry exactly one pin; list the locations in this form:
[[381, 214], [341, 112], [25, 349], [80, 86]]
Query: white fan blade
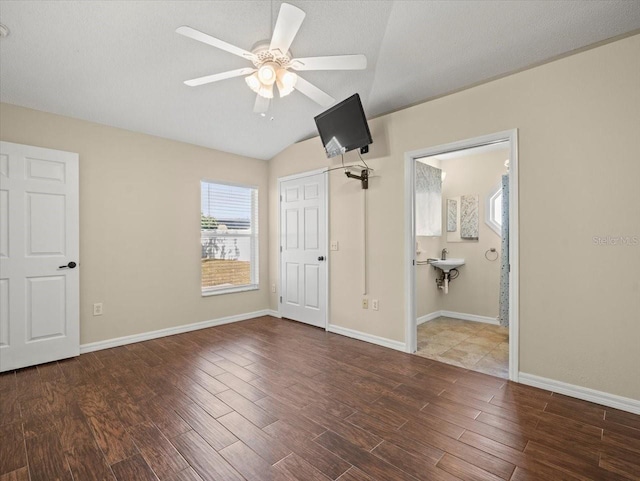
[[336, 62], [314, 93], [287, 25], [215, 42], [261, 105], [219, 76]]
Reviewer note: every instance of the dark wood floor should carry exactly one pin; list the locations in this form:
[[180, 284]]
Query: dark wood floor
[[273, 399]]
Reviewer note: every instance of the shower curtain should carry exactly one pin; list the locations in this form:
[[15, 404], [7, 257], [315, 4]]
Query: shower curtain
[[503, 317]]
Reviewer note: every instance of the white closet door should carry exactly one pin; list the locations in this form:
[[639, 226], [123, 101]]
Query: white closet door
[[303, 241], [39, 272]]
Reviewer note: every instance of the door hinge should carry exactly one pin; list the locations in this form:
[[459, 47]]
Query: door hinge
[[509, 267], [280, 299], [280, 198], [280, 248]]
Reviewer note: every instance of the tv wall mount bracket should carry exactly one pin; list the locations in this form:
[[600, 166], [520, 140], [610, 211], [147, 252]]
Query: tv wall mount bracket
[[363, 177]]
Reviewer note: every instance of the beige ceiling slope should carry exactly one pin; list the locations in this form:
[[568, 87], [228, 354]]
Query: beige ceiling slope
[[461, 43]]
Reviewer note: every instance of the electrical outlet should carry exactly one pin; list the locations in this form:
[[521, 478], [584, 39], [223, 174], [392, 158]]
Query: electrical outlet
[[97, 309], [273, 287], [374, 304], [334, 245], [365, 303]]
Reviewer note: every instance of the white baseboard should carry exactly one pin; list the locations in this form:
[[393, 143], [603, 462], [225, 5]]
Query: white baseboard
[[274, 313], [362, 336], [428, 317], [470, 317], [146, 336], [457, 315], [584, 393]]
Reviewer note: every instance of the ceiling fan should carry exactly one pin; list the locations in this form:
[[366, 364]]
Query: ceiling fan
[[273, 62]]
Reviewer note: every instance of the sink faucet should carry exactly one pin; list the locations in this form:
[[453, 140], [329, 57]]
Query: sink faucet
[[444, 253]]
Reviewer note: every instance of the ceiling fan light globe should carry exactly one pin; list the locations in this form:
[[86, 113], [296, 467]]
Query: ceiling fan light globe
[[267, 74], [287, 79], [266, 91], [253, 82], [283, 90]]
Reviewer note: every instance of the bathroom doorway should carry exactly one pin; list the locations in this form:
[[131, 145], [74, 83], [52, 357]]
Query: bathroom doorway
[[461, 249]]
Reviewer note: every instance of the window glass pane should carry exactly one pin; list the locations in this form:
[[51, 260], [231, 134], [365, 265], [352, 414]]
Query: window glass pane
[[228, 236], [497, 209]]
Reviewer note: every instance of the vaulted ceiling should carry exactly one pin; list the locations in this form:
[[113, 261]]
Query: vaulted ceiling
[[120, 63]]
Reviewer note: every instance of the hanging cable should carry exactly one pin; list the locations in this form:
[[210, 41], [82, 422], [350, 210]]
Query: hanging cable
[[363, 161]]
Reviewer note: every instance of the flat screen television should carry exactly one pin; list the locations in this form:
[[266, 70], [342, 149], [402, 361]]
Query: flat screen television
[[344, 127]]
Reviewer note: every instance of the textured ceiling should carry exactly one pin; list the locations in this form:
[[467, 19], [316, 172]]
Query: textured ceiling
[[121, 63]]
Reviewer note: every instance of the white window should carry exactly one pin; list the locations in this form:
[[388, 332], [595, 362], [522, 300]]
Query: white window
[[228, 237], [493, 210]]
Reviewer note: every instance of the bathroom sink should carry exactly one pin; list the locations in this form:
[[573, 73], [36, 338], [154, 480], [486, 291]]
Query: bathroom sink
[[447, 264]]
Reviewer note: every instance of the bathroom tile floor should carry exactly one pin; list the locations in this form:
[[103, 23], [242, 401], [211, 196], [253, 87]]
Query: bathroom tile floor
[[472, 345]]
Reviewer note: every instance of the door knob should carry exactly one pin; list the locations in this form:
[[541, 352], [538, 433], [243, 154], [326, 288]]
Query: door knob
[[70, 265], [321, 258]]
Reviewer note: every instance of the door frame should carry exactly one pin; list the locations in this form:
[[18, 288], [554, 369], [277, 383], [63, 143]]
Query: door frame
[[510, 136], [300, 175]]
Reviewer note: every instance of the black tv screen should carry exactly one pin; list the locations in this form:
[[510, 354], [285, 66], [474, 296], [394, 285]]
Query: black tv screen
[[343, 127]]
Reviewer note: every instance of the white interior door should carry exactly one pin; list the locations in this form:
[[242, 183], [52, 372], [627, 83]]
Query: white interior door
[[39, 278], [303, 245]]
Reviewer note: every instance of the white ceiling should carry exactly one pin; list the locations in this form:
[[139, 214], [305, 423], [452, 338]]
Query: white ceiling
[[121, 63]]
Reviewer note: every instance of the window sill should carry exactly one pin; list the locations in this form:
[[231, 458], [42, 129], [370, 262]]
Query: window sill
[[229, 290]]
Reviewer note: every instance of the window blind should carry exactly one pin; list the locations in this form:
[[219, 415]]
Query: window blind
[[228, 237]]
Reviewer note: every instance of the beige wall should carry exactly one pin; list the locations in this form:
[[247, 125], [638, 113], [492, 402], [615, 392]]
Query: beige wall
[[345, 213], [579, 145], [477, 289], [428, 297], [139, 222]]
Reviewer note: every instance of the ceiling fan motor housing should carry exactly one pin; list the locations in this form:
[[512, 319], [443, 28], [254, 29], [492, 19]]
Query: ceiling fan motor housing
[[263, 55]]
